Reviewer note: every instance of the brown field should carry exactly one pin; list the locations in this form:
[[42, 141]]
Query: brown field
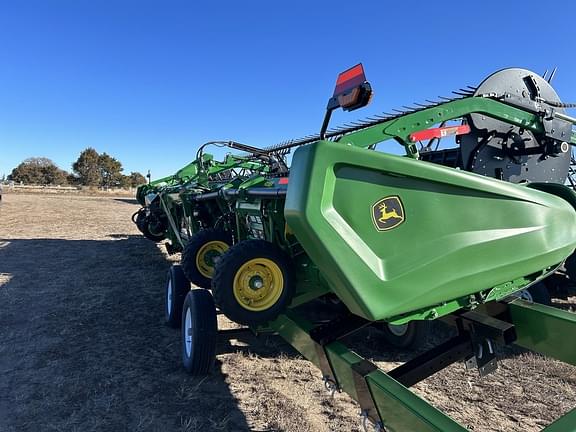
[[83, 346], [72, 190]]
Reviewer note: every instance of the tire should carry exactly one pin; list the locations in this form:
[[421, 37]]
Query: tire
[[411, 335], [199, 332], [147, 228], [570, 266], [139, 218], [201, 253], [537, 293], [176, 288], [253, 282]]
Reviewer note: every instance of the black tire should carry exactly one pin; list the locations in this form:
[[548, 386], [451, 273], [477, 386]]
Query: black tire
[[202, 277], [176, 288], [570, 266], [537, 293], [199, 332], [147, 227], [411, 335], [139, 218], [231, 263]]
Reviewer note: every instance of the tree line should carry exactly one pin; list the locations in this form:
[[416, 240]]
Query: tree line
[[90, 169]]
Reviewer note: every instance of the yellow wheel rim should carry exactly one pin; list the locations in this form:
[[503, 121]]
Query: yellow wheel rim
[[258, 284], [207, 256]]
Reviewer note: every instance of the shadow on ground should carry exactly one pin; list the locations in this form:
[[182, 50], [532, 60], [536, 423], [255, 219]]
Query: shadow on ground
[[127, 200], [83, 345]]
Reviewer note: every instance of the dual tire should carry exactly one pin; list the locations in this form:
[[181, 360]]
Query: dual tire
[[252, 281], [252, 284], [194, 312]]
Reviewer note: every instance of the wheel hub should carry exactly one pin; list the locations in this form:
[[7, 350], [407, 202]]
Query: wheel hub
[[258, 284]]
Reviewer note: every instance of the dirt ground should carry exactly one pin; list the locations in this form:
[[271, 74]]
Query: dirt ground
[[83, 346]]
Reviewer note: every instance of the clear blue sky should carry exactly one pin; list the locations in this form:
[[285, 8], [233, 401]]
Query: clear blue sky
[[148, 81]]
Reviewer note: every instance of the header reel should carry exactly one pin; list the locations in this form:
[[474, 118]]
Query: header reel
[[497, 149], [506, 150]]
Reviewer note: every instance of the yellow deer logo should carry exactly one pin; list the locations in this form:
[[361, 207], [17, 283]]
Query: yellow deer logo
[[388, 213], [385, 214]]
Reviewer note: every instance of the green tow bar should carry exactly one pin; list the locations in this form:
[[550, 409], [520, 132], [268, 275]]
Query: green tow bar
[[398, 408], [391, 405]]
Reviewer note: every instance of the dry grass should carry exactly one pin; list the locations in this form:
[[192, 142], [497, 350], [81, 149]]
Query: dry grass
[[68, 190], [83, 346]]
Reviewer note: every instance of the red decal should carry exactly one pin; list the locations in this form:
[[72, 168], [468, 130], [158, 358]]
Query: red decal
[[428, 134]]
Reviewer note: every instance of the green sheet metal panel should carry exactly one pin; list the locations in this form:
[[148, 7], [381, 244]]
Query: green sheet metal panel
[[566, 423], [457, 233], [544, 329]]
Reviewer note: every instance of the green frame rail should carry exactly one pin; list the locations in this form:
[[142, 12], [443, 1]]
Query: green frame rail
[[542, 329], [401, 127]]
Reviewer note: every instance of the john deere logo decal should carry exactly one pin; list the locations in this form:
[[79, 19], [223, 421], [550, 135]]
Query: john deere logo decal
[[387, 213]]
